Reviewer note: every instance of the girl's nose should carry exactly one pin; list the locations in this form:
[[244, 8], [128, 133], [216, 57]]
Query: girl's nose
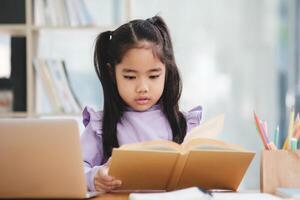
[[142, 87]]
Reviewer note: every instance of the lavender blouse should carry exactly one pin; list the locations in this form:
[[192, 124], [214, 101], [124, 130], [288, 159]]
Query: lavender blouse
[[135, 127]]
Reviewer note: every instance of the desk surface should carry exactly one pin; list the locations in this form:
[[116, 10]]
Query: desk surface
[[111, 197], [217, 196]]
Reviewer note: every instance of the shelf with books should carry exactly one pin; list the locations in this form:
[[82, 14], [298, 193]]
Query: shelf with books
[[54, 22], [56, 94], [30, 30]]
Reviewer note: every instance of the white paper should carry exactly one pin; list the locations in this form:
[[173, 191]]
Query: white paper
[[5, 68], [192, 193]]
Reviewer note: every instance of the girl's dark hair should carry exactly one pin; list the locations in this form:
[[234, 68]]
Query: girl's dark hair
[[110, 48]]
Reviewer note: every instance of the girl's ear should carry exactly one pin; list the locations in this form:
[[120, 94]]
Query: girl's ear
[[111, 72]]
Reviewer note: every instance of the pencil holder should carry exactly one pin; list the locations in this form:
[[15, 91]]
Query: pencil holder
[[279, 168]]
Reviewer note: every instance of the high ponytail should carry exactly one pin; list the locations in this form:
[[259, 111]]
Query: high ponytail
[[112, 111], [101, 56]]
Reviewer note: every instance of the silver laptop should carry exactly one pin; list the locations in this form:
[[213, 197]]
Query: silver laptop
[[41, 158]]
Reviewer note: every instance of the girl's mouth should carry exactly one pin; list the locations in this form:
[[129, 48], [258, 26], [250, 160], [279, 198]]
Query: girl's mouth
[[142, 101]]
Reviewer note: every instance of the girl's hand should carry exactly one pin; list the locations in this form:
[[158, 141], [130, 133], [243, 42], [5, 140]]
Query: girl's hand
[[103, 182]]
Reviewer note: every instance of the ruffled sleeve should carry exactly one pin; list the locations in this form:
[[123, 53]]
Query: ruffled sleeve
[[89, 116], [193, 117], [91, 144]]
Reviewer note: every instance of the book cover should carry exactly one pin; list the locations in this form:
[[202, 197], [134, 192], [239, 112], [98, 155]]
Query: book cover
[[12, 12], [166, 166]]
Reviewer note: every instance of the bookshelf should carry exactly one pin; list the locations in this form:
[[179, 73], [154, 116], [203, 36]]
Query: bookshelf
[[30, 31]]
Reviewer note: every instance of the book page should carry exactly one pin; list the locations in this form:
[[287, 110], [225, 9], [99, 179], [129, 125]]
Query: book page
[[207, 129], [157, 145], [209, 144]]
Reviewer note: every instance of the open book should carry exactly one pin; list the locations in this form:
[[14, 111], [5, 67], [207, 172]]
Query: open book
[[198, 161]]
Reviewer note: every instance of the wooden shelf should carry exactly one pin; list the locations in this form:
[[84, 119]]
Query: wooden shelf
[[57, 114], [13, 115], [25, 114], [13, 29], [38, 28]]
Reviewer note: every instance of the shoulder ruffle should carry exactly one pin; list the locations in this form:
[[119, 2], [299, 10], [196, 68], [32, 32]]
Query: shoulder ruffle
[[194, 116], [89, 116]]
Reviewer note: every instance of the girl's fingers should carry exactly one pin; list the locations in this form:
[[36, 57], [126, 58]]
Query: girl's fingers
[[102, 187], [113, 183], [103, 174], [117, 183], [106, 178], [107, 186], [105, 182]]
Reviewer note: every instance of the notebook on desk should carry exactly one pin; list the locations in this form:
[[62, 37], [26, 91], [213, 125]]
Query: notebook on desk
[[41, 158]]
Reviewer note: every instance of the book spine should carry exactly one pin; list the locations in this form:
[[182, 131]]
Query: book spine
[[53, 12], [79, 12], [62, 86], [66, 87], [85, 13], [75, 100], [43, 103], [12, 12], [64, 10], [71, 11], [39, 17], [44, 75], [177, 172], [18, 73], [56, 77]]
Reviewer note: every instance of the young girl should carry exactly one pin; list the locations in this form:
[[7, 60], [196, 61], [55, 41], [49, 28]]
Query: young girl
[[141, 85]]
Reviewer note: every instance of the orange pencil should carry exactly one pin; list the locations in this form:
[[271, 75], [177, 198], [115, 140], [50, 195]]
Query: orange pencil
[[258, 125]]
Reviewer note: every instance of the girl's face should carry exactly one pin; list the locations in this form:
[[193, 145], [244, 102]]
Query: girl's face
[[140, 78]]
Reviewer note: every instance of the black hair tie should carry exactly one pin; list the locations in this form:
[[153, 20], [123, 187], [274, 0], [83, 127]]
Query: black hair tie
[[110, 35], [151, 20]]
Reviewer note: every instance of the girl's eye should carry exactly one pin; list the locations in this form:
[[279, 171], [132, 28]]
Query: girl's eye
[[129, 77], [153, 76]]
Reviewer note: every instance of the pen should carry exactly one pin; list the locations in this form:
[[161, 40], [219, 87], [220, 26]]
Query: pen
[[294, 143], [291, 128], [270, 144], [265, 126], [276, 137]]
